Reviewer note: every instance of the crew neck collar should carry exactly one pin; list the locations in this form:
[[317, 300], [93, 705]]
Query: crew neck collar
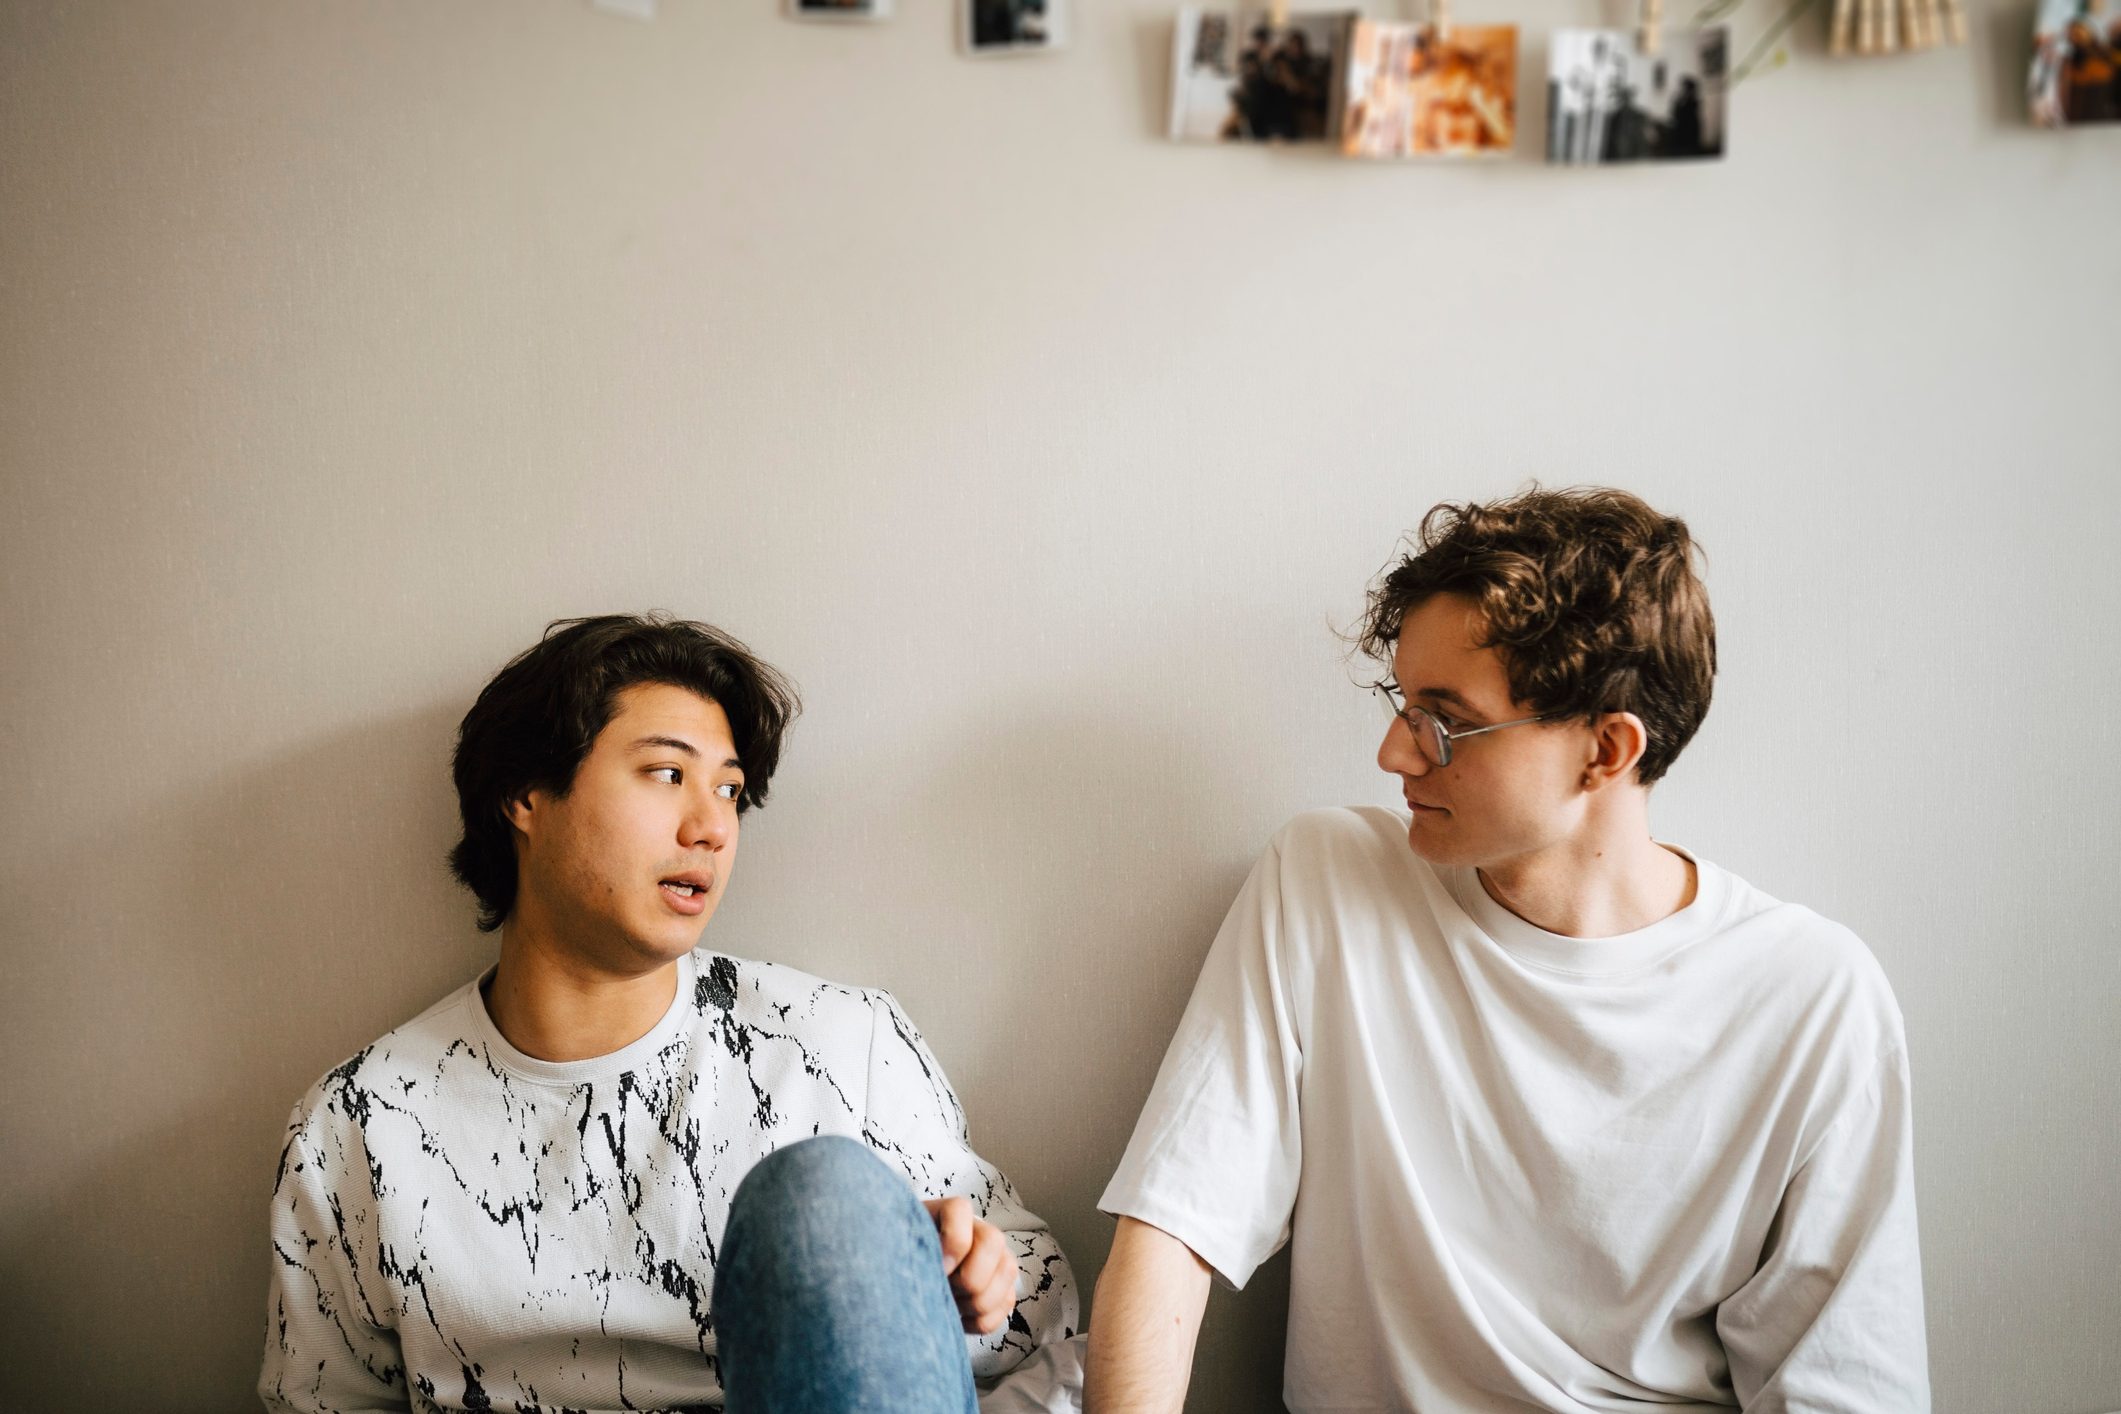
[[1594, 957], [629, 1057]]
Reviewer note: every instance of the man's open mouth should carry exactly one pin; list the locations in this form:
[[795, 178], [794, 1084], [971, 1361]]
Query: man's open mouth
[[683, 890]]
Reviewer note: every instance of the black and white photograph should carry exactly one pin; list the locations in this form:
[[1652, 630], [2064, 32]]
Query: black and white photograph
[[839, 9], [1012, 26], [1609, 101], [1237, 76]]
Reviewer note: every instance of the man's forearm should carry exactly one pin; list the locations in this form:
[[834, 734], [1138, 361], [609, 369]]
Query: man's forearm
[[1149, 1303]]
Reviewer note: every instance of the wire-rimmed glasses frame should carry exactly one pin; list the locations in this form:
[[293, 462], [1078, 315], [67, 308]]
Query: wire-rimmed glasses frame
[[1431, 737]]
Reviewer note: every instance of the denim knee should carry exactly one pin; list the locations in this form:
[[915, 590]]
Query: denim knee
[[829, 1291], [814, 1191]]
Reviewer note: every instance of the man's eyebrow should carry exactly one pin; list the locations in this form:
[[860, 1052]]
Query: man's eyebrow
[[668, 743], [675, 743], [1445, 694]]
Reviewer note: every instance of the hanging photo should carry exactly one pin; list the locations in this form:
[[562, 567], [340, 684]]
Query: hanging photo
[[1239, 77], [1414, 91], [839, 9], [1012, 26], [1607, 101], [2076, 75]]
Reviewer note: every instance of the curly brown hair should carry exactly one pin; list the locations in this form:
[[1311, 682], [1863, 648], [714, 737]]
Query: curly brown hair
[[1589, 593]]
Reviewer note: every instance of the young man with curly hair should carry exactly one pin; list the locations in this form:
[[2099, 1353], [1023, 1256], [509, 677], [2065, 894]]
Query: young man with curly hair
[[619, 1171], [1553, 1115]]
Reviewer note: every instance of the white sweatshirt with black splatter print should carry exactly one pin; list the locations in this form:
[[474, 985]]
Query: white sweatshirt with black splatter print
[[457, 1225]]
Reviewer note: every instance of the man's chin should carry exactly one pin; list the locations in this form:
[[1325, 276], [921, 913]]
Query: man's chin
[[668, 943], [1429, 846]]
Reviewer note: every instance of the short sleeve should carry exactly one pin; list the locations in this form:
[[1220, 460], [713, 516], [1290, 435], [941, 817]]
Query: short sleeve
[[1832, 1319], [1218, 1150]]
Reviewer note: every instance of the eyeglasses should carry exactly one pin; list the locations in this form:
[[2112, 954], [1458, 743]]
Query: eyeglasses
[[1431, 737]]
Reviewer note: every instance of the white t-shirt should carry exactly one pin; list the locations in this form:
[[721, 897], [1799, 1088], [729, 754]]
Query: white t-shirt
[[1670, 1169], [457, 1225]]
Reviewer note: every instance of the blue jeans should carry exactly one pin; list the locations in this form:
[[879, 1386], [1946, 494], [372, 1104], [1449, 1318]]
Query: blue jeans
[[829, 1293]]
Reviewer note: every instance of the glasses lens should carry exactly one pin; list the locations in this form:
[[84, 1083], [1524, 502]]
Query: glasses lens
[[1428, 735], [1427, 732]]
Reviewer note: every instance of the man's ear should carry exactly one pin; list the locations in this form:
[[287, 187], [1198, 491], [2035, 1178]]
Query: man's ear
[[1618, 741], [519, 811]]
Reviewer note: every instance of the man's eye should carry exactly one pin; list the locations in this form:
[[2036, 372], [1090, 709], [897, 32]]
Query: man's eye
[[729, 790], [669, 775]]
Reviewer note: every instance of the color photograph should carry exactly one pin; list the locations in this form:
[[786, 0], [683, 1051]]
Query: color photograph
[[1608, 101], [1012, 26], [1411, 91], [2076, 73], [1239, 77]]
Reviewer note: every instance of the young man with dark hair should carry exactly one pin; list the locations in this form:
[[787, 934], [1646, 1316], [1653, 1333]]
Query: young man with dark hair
[[1553, 1116], [620, 1172]]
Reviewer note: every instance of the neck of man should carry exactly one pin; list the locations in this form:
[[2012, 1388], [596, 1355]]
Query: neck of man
[[553, 1004], [1609, 879]]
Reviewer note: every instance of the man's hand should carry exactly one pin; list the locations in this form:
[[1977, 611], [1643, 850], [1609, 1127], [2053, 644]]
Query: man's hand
[[977, 1260]]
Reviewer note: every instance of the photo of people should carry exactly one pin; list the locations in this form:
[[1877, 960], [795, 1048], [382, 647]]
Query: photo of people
[[1414, 91], [839, 9], [2076, 73], [1012, 26], [1239, 77], [1608, 101]]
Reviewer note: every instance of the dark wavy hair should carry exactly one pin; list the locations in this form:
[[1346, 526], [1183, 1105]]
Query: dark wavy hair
[[537, 719], [1590, 595]]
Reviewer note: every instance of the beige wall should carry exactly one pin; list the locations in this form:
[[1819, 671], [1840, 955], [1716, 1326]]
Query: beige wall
[[346, 344]]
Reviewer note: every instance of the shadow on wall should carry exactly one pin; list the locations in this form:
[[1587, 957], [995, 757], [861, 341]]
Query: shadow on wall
[[2009, 59], [288, 913], [293, 909], [1084, 860]]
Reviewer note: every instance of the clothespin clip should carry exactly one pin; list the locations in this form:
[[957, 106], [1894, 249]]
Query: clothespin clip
[[1844, 26], [1440, 18], [1652, 17], [1278, 13], [1914, 23]]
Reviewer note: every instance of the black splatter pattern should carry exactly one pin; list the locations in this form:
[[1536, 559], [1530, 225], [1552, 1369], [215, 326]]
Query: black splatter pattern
[[453, 1231]]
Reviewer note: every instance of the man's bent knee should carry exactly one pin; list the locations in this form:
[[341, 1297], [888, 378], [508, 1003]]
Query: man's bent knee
[[816, 1189]]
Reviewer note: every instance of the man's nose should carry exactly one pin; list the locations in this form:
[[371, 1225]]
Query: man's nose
[[1397, 755], [711, 825]]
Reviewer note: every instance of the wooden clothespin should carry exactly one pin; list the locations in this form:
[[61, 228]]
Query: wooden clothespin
[[1278, 13], [1888, 26], [1914, 24], [1440, 19], [1652, 17]]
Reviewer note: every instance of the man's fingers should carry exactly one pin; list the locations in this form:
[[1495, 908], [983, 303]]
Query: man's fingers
[[985, 1282], [977, 1260], [953, 1228], [976, 1273]]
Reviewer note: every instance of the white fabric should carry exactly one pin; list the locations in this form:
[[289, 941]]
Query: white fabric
[[1671, 1169], [1050, 1381], [457, 1225]]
